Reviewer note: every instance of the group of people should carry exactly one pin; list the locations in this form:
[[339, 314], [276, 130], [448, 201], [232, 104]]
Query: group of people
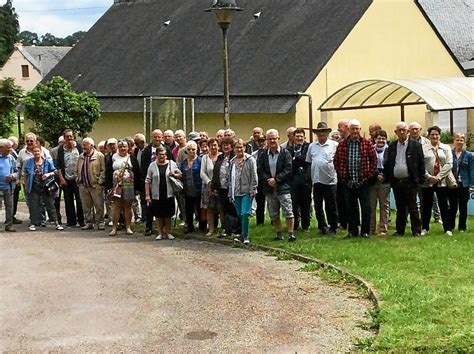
[[206, 181]]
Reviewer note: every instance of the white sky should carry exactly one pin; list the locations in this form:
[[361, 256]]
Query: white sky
[[59, 17]]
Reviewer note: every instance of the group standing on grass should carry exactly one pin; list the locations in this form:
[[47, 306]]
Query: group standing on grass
[[222, 180]]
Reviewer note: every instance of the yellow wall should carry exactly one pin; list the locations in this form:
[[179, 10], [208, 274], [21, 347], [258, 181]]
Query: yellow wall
[[12, 68], [392, 40], [117, 125], [242, 124]]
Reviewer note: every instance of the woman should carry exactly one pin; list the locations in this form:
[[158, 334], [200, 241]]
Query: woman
[[243, 182], [159, 192], [220, 184], [208, 199], [463, 170], [203, 147], [438, 164], [39, 172], [123, 175], [380, 191], [192, 183]]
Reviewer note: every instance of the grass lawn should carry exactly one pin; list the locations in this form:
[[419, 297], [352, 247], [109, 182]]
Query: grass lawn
[[426, 284]]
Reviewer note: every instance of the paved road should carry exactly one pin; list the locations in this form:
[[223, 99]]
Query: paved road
[[83, 291]]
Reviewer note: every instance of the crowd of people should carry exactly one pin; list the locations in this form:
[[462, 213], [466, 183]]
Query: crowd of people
[[219, 182]]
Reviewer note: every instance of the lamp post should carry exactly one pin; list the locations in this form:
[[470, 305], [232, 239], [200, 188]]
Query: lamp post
[[20, 108], [224, 11]]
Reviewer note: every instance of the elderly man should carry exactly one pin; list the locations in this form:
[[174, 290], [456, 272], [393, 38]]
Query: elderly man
[[8, 177], [414, 129], [274, 171], [252, 145], [290, 135], [323, 175], [16, 192], [373, 129], [404, 169], [68, 154], [179, 151], [343, 129], [356, 165], [90, 177], [168, 137]]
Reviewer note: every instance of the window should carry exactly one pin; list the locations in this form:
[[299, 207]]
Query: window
[[25, 72]]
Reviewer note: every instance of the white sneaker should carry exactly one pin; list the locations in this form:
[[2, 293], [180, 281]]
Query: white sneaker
[[424, 232], [246, 241], [110, 223], [170, 237], [158, 237], [59, 227], [32, 228], [449, 233]]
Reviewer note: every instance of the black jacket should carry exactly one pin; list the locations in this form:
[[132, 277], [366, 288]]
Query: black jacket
[[300, 166], [109, 173], [283, 171], [216, 176], [415, 162]]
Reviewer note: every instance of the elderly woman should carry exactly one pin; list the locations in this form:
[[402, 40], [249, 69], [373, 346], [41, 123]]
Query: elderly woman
[[159, 192], [122, 179], [463, 170], [208, 199], [438, 164], [191, 177], [243, 182], [39, 173]]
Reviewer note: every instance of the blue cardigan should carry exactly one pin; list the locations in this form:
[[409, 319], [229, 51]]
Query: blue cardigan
[[29, 170], [196, 172], [466, 168]]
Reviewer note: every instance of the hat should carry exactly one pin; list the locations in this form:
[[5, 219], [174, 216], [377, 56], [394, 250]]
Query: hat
[[111, 141], [322, 127], [194, 136]]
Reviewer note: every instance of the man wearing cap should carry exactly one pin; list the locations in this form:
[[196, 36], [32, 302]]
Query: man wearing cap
[[324, 178], [274, 171], [300, 181], [355, 162]]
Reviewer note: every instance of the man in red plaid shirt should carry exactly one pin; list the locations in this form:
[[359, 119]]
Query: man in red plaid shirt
[[356, 163]]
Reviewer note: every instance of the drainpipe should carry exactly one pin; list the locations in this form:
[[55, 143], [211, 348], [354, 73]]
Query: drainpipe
[[310, 109]]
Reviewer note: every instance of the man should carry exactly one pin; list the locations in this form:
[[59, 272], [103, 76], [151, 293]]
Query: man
[[168, 137], [229, 133], [111, 147], [404, 169], [102, 148], [16, 192], [259, 206], [139, 204], [300, 181], [373, 129], [179, 151], [8, 177], [149, 156], [290, 135], [57, 199], [343, 129], [68, 154], [90, 177], [415, 133], [274, 171], [355, 162], [324, 178], [140, 145], [220, 135], [252, 145], [203, 135]]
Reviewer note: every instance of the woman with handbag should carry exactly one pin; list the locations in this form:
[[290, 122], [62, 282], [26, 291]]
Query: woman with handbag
[[208, 199], [124, 174], [159, 192], [243, 183], [192, 183], [438, 164], [39, 173], [463, 171]]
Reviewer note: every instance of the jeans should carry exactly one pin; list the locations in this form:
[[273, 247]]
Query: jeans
[[192, 207], [458, 198], [6, 196], [35, 201], [354, 197], [405, 193], [328, 194], [243, 206], [74, 212], [427, 195]]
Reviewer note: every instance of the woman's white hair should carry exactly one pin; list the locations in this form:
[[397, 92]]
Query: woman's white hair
[[191, 143]]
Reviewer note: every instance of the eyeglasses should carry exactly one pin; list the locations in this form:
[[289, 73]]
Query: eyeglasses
[[191, 149], [30, 141], [434, 134]]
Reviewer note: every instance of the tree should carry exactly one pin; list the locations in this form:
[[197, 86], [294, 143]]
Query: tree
[[54, 106], [10, 95], [29, 38], [50, 39], [73, 38], [9, 29]]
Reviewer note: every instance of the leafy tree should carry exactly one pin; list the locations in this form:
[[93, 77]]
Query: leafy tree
[[9, 96], [50, 39], [29, 38], [54, 106], [9, 29], [73, 38]]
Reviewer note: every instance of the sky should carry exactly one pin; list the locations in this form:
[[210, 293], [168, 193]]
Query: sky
[[59, 17]]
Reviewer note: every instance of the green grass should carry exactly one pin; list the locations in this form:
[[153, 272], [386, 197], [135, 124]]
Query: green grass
[[426, 284]]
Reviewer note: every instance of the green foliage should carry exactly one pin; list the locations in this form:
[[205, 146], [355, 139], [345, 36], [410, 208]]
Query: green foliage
[[54, 107], [9, 29], [28, 38], [9, 97], [446, 137], [31, 38]]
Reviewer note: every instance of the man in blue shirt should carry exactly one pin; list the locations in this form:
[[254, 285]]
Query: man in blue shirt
[[8, 176]]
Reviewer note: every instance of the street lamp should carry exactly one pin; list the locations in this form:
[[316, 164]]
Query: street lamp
[[224, 11]]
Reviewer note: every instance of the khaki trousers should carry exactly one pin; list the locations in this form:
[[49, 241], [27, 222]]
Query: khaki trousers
[[92, 204], [379, 192]]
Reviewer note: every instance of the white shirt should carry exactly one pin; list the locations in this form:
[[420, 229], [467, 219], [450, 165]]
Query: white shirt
[[321, 157]]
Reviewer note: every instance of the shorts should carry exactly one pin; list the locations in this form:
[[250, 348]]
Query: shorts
[[275, 201]]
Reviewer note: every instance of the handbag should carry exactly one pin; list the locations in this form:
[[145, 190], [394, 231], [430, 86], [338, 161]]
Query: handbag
[[51, 185], [176, 184], [451, 180]]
